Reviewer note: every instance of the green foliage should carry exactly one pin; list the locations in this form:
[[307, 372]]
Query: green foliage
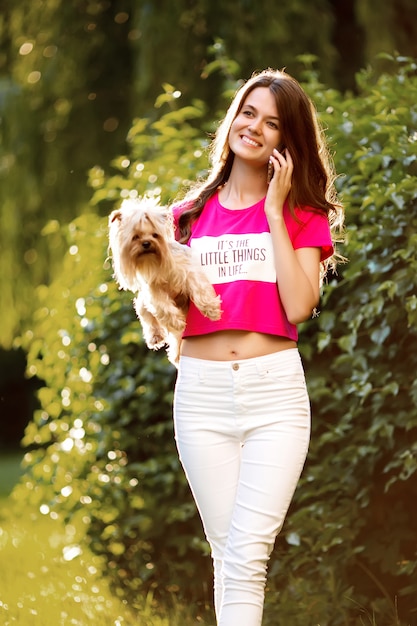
[[64, 106], [164, 154], [353, 526], [74, 74], [101, 446]]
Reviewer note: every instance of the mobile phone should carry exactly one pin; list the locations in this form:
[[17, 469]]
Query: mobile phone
[[281, 149]]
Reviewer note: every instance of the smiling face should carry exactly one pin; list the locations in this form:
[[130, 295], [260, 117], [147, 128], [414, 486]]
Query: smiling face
[[255, 131]]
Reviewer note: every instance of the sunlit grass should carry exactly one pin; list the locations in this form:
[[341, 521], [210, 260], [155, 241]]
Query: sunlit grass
[[47, 578]]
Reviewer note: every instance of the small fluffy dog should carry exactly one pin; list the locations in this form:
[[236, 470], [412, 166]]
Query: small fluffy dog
[[150, 262]]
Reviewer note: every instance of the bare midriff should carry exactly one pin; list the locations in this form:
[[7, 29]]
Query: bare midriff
[[232, 345]]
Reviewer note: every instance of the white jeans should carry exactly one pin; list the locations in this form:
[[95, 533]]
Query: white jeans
[[242, 430]]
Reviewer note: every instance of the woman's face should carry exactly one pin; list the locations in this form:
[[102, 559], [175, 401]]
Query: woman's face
[[255, 131]]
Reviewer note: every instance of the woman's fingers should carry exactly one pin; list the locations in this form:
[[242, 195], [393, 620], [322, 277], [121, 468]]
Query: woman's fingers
[[283, 167]]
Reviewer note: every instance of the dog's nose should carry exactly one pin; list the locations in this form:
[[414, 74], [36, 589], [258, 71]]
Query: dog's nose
[[146, 244]]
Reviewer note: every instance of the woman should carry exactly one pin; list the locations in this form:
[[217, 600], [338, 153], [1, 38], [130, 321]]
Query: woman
[[261, 226]]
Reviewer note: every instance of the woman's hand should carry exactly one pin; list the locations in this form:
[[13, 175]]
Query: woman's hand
[[297, 270], [280, 184]]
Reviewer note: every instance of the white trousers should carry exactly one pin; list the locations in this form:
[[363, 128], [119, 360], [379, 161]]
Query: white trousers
[[242, 431]]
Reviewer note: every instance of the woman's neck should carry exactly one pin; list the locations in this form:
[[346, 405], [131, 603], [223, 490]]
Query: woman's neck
[[243, 189]]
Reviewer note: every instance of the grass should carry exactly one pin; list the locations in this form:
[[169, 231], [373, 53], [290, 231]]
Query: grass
[[48, 579]]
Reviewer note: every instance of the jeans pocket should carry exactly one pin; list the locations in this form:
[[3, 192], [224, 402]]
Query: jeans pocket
[[287, 374]]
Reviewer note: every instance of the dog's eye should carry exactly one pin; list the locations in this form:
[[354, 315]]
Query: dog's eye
[[155, 235], [135, 237]]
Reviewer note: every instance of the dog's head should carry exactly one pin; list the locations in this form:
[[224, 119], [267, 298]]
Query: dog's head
[[139, 233]]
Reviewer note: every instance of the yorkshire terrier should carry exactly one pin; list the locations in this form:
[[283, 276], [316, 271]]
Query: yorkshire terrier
[[150, 262]]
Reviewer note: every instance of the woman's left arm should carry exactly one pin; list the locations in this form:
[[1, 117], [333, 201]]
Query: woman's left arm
[[298, 271]]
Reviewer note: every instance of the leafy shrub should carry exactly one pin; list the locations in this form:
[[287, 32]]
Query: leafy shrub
[[101, 446], [352, 526]]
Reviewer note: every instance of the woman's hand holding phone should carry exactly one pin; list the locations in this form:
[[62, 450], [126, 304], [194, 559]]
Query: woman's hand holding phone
[[281, 167]]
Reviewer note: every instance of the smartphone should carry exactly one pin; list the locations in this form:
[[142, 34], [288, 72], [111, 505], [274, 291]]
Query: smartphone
[[281, 149]]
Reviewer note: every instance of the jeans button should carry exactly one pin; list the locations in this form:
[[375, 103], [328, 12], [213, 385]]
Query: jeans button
[[235, 366]]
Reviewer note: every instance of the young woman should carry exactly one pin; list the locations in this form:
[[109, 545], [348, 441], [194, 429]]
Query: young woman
[[261, 225]]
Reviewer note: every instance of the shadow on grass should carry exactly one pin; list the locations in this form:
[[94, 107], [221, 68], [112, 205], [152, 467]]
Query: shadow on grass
[[10, 470]]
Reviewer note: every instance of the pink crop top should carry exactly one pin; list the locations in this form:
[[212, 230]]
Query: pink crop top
[[234, 248]]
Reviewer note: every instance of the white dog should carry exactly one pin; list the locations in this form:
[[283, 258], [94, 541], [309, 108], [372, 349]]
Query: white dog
[[150, 262]]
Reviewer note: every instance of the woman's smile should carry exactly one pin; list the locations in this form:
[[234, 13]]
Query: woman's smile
[[250, 142]]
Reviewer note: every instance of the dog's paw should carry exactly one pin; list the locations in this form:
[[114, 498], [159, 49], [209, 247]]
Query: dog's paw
[[213, 309], [154, 336], [155, 341]]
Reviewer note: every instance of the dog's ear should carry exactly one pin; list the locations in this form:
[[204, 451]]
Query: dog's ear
[[115, 215]]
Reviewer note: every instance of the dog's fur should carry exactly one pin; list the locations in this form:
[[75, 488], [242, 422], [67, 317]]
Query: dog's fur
[[150, 262]]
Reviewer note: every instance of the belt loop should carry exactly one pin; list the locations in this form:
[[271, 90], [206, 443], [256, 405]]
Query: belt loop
[[201, 374]]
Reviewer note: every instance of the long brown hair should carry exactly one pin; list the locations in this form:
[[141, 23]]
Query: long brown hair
[[313, 176]]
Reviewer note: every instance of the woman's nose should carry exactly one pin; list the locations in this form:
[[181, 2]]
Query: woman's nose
[[254, 126]]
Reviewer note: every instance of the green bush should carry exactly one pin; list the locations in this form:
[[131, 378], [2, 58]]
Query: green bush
[[101, 445], [352, 528]]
